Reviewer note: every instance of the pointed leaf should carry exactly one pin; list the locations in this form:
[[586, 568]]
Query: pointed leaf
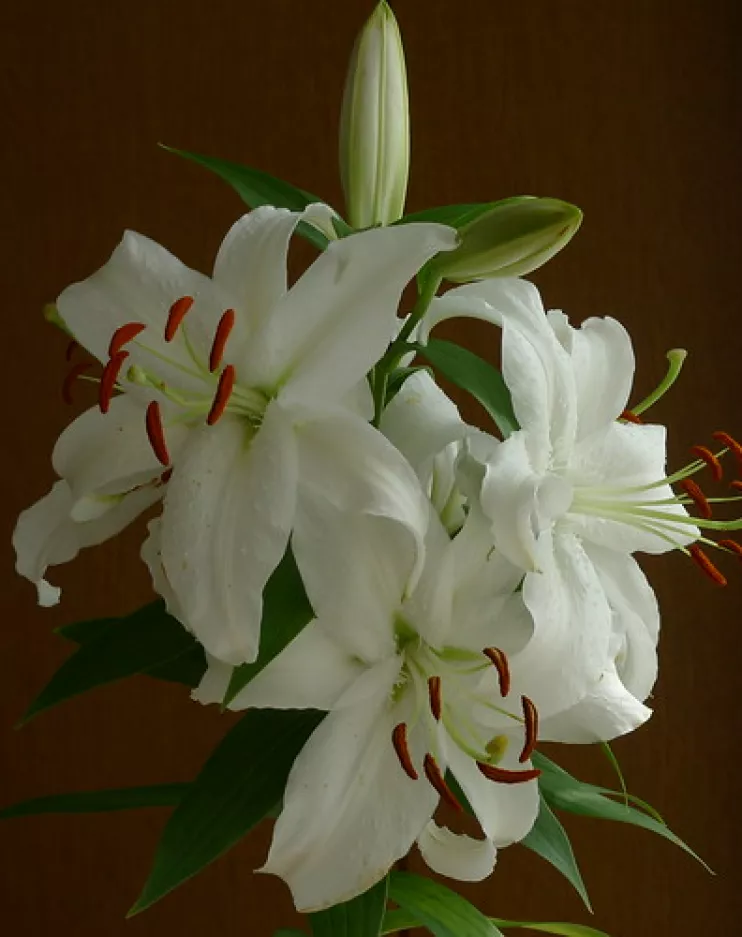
[[361, 917], [436, 907], [188, 668], [454, 215], [476, 376], [549, 839], [124, 798], [286, 611], [146, 639], [398, 920], [242, 780], [256, 188], [563, 792], [550, 927]]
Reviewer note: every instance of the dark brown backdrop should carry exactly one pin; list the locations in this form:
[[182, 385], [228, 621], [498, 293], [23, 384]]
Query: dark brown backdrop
[[630, 110]]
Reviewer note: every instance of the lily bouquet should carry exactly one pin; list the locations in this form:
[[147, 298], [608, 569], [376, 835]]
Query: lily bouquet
[[403, 604]]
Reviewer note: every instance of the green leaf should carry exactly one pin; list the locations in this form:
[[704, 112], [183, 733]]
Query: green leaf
[[564, 792], [549, 839], [242, 780], [124, 798], [481, 379], [148, 638], [398, 377], [454, 215], [286, 611], [188, 668], [256, 188], [398, 920], [550, 927], [436, 907], [361, 917], [289, 933]]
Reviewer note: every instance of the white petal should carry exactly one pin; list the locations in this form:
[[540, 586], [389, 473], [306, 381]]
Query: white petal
[[139, 283], [345, 461], [421, 421], [102, 454], [251, 267], [606, 712], [612, 465], [355, 569], [311, 673], [456, 855], [228, 514], [350, 811], [336, 321], [570, 646], [46, 535], [506, 812], [603, 364], [214, 683], [151, 553]]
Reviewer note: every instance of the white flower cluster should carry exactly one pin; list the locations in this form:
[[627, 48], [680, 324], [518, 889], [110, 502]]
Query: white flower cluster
[[471, 595]]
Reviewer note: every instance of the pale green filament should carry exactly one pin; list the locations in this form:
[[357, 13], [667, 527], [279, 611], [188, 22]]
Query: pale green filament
[[675, 358]]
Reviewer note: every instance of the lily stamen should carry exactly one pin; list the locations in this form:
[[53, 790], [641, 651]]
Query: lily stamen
[[223, 393], [731, 443], [530, 715], [123, 335], [506, 776], [630, 417], [175, 316], [711, 459], [435, 696], [436, 779], [697, 496], [72, 375], [223, 330], [500, 662], [399, 741], [705, 564], [156, 433], [109, 378], [69, 351]]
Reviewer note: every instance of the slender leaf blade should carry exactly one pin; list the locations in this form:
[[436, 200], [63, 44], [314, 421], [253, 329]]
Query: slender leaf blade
[[442, 911], [241, 781], [552, 927], [361, 917], [454, 215], [476, 376], [124, 798], [564, 792], [398, 920], [549, 839], [257, 188], [145, 639], [286, 611]]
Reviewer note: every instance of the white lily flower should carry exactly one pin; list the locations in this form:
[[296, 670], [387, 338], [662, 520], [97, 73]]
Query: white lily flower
[[414, 687], [571, 495], [237, 392], [427, 428]]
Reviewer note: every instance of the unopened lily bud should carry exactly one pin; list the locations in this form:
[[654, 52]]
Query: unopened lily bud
[[513, 238], [374, 124]]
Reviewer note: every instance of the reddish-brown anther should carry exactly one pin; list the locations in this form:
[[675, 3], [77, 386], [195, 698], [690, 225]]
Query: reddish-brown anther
[[108, 379], [731, 443], [156, 433], [736, 484], [72, 346], [436, 700], [500, 661], [631, 417], [223, 331], [732, 546], [530, 716], [399, 741], [223, 393], [711, 459], [704, 563], [175, 316], [122, 336], [698, 497], [434, 775], [72, 375], [506, 776]]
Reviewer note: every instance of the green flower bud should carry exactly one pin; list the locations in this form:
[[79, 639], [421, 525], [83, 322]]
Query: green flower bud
[[374, 124], [513, 238]]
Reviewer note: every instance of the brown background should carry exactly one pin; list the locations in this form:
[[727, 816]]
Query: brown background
[[630, 109]]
